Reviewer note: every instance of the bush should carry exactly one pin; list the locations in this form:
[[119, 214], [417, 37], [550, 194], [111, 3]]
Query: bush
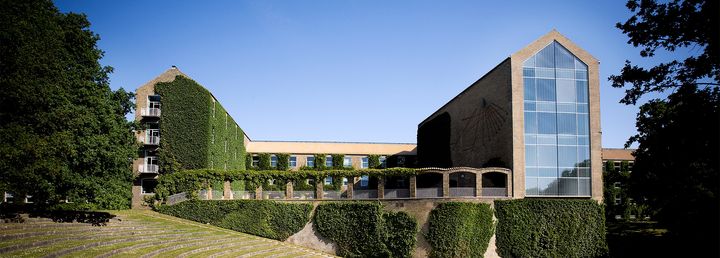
[[550, 228], [460, 229], [337, 161], [374, 161], [267, 219], [264, 161], [283, 161], [363, 229]]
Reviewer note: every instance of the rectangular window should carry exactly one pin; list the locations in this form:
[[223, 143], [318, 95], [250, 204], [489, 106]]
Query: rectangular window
[[293, 161], [347, 162], [328, 161], [310, 161], [383, 161], [365, 163], [255, 161], [364, 181], [273, 161], [328, 180]]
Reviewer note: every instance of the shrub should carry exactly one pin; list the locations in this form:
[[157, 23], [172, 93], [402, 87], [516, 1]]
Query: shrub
[[460, 229], [374, 161], [550, 228], [268, 219], [319, 162], [337, 161], [264, 162], [363, 229]]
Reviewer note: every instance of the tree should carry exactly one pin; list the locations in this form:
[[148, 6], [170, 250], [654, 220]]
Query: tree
[[676, 163], [63, 132]]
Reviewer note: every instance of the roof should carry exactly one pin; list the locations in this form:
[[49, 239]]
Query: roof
[[617, 154], [348, 148]]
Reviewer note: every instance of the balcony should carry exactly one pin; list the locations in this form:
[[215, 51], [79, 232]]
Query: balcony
[[148, 168], [150, 112], [149, 139]]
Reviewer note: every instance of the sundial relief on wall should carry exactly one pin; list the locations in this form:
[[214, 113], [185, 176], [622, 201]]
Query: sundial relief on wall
[[480, 126]]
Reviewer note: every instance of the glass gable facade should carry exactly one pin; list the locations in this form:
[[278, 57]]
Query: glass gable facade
[[557, 135]]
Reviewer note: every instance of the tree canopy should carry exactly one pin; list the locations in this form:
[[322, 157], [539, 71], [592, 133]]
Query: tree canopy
[[676, 163], [63, 132]]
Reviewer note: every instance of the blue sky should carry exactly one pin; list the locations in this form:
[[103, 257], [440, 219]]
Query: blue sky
[[366, 71]]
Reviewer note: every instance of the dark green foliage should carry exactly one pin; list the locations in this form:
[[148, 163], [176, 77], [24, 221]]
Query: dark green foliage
[[460, 229], [337, 161], [264, 162], [268, 219], [319, 161], [360, 229], [550, 228], [196, 131], [283, 161], [185, 117], [193, 180], [63, 132], [374, 161]]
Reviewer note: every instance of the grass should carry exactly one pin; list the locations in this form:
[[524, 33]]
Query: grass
[[638, 239], [179, 236]]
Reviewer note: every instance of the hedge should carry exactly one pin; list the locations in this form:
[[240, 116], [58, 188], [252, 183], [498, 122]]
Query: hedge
[[267, 219], [191, 137], [363, 229], [460, 229], [190, 181], [550, 228]]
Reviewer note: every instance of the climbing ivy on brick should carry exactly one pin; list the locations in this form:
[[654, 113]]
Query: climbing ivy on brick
[[191, 138]]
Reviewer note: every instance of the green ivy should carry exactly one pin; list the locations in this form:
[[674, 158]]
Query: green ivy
[[268, 219], [337, 161], [283, 161], [374, 161], [248, 161], [264, 161], [460, 229], [190, 181], [191, 136], [550, 228], [363, 229], [319, 161]]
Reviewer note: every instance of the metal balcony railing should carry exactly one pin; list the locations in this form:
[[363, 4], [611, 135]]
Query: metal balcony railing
[[148, 168], [150, 140], [150, 112]]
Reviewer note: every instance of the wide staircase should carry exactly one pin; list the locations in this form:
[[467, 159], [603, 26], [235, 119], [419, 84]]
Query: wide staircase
[[137, 234]]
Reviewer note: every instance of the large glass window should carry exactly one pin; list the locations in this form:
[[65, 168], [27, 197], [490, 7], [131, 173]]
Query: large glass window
[[557, 151]]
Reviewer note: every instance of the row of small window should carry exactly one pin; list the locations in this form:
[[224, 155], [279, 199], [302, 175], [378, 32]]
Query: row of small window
[[552, 73], [557, 156], [554, 107], [310, 161], [561, 90], [540, 186], [560, 123], [552, 139]]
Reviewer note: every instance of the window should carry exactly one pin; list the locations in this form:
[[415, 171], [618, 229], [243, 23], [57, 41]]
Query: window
[[345, 181], [293, 161], [556, 123], [148, 185], [383, 161], [328, 161], [310, 161], [365, 163], [255, 161], [347, 162], [364, 181], [328, 180], [273, 161]]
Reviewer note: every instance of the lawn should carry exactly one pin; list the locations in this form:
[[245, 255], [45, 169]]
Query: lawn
[[137, 234]]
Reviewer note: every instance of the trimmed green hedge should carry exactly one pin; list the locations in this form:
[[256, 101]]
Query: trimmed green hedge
[[196, 131], [268, 219], [460, 229], [550, 228], [363, 229]]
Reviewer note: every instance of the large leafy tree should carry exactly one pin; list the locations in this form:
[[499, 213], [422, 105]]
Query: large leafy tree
[[63, 132], [676, 167]]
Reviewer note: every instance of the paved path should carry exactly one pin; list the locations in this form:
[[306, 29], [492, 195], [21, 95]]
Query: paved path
[[138, 234]]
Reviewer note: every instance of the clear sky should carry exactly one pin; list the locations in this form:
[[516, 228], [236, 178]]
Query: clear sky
[[366, 71]]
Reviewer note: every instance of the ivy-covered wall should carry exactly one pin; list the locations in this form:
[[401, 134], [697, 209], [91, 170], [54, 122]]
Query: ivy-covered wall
[[195, 131]]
